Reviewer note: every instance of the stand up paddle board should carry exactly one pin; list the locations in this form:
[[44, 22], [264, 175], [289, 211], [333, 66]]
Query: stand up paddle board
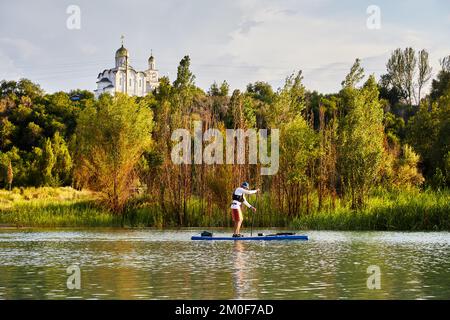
[[270, 237]]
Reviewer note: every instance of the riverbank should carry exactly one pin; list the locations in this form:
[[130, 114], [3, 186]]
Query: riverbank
[[53, 207], [402, 211], [66, 207]]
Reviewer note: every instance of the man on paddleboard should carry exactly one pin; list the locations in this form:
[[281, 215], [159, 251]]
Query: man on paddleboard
[[238, 200]]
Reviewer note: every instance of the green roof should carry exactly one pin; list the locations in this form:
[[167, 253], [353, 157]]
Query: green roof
[[122, 52]]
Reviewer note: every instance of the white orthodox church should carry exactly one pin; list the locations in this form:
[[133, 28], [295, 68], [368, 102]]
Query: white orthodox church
[[123, 78]]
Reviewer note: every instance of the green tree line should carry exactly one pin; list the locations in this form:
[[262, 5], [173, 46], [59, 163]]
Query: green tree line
[[371, 134]]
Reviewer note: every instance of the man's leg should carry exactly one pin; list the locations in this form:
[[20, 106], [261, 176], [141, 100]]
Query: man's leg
[[235, 215], [238, 227], [239, 221]]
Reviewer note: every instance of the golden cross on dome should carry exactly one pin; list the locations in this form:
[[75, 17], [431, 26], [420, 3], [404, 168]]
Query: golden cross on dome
[[122, 37]]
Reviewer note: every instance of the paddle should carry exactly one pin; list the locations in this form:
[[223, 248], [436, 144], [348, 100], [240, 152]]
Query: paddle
[[251, 228], [253, 215]]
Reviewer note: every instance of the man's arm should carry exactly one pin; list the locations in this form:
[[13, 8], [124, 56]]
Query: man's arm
[[245, 202], [250, 191]]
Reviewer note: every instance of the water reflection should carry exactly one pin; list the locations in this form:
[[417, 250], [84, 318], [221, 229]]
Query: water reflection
[[242, 270], [148, 264]]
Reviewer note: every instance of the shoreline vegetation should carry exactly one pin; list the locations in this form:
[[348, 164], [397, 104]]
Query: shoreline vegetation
[[411, 210], [373, 156]]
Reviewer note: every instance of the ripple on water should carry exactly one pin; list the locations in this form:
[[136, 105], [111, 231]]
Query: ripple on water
[[149, 264]]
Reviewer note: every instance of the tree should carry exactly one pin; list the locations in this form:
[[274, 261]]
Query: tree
[[185, 78], [261, 91], [298, 153], [22, 88], [112, 137], [234, 112], [407, 174], [184, 89], [164, 90], [289, 101], [219, 91], [47, 163], [10, 175], [410, 66], [224, 89], [63, 165], [428, 132], [394, 128], [447, 166], [298, 144], [214, 90], [424, 73], [355, 75], [6, 132], [32, 135], [360, 147], [403, 67], [445, 63], [441, 84]]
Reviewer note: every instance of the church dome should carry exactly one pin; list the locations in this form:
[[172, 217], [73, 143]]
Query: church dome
[[122, 52], [151, 62]]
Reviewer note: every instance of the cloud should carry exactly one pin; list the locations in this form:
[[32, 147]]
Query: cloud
[[88, 49], [323, 47], [240, 41], [247, 25], [19, 48], [8, 69], [14, 54]]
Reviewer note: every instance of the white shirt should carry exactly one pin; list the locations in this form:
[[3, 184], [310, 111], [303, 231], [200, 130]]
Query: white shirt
[[242, 192]]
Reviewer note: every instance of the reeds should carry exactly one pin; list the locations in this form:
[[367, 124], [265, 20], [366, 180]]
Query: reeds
[[410, 210]]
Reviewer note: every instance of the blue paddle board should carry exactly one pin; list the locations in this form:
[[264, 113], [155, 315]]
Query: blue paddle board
[[264, 238]]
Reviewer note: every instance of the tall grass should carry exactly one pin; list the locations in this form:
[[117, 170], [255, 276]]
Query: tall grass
[[407, 210], [141, 212], [66, 207], [53, 207]]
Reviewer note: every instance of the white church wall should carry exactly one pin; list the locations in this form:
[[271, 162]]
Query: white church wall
[[134, 83]]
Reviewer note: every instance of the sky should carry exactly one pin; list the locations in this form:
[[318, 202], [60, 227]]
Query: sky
[[240, 41]]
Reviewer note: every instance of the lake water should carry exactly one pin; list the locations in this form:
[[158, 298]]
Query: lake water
[[150, 264]]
